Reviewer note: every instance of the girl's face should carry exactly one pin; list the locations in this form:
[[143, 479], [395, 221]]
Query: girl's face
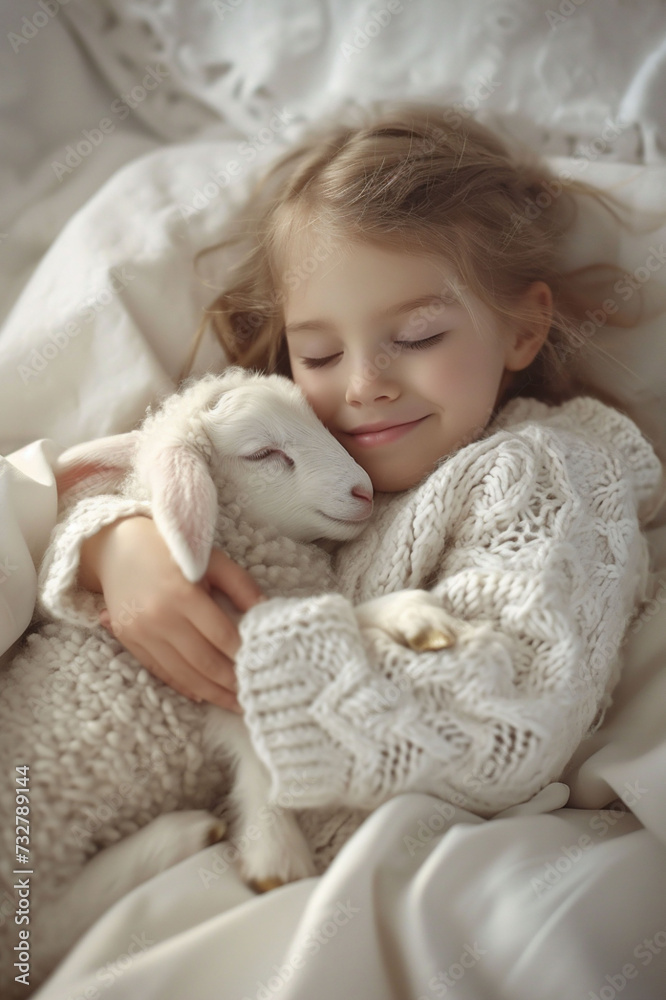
[[375, 337]]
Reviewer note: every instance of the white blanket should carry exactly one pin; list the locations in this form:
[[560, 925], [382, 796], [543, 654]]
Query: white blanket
[[568, 902]]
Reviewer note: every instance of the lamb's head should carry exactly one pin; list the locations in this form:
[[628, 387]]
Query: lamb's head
[[272, 455], [237, 438]]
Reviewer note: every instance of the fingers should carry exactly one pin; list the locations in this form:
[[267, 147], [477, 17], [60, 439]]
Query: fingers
[[233, 580], [214, 625], [195, 650], [187, 663], [166, 663], [179, 633]]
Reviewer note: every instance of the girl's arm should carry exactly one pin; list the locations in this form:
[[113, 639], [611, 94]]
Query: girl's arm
[[106, 559], [546, 568]]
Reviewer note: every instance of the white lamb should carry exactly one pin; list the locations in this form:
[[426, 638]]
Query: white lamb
[[240, 461]]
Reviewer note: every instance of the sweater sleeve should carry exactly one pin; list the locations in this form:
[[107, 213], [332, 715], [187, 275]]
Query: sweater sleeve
[[546, 566], [58, 594]]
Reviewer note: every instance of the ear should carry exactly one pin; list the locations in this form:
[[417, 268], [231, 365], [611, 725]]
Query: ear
[[527, 335], [106, 460], [184, 506]]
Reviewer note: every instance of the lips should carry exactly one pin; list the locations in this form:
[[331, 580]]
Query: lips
[[382, 426], [385, 436]]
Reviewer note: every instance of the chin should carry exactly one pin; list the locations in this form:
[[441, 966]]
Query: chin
[[393, 484]]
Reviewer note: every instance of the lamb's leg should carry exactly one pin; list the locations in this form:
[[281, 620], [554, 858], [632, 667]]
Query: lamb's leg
[[115, 871], [272, 849]]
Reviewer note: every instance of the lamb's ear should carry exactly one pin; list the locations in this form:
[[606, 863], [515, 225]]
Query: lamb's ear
[[184, 502], [106, 461]]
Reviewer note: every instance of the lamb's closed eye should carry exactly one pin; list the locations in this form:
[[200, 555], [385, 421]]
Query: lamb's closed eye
[[414, 618]]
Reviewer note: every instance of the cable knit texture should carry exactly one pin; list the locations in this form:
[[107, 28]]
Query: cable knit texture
[[531, 534]]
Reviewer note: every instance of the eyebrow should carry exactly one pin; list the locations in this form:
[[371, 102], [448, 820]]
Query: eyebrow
[[395, 310]]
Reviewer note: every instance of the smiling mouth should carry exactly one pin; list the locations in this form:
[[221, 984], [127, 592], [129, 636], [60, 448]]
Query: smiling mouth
[[380, 430], [386, 436]]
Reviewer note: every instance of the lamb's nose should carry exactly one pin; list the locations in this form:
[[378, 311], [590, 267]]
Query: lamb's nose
[[362, 493]]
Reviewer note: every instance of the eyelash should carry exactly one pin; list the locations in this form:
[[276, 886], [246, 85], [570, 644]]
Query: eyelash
[[266, 453], [410, 344]]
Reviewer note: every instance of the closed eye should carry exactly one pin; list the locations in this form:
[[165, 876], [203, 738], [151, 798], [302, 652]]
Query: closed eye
[[417, 344], [409, 344], [268, 453]]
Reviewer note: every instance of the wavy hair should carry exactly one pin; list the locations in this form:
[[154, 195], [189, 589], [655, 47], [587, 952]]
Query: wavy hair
[[413, 177]]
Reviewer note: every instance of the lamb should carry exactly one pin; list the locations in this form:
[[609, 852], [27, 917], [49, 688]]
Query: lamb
[[240, 461]]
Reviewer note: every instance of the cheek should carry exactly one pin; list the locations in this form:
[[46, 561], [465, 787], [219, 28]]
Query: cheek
[[471, 361], [315, 394]]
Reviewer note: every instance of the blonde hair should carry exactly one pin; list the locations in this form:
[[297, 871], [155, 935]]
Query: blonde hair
[[414, 178]]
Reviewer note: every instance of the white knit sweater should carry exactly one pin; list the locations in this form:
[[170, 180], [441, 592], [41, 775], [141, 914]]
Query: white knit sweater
[[532, 533]]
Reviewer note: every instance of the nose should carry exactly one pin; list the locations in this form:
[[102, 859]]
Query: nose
[[368, 384], [362, 493]]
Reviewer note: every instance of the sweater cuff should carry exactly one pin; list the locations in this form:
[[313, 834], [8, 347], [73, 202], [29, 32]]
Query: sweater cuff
[[58, 595], [295, 654]]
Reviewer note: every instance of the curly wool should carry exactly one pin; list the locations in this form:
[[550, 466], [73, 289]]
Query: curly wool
[[109, 746], [83, 712]]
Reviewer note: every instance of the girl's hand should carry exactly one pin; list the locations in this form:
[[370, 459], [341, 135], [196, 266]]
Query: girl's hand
[[173, 627]]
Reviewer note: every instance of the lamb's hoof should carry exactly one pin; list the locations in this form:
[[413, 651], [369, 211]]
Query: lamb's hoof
[[265, 884], [216, 833], [430, 639]]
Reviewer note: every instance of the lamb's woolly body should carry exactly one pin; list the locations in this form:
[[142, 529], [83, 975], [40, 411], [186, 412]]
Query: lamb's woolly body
[[109, 746]]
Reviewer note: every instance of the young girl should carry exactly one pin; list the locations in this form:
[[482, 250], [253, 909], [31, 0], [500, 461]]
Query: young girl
[[402, 271]]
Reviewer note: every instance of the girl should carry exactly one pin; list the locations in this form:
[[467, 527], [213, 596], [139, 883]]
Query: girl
[[403, 272]]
